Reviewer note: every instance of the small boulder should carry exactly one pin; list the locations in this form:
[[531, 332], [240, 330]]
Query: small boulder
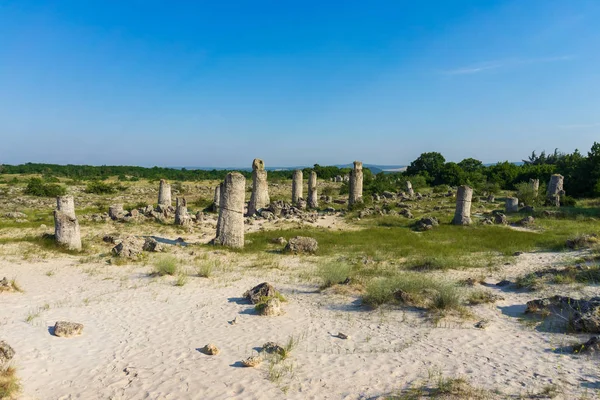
[[591, 346], [130, 247], [301, 245], [273, 348], [67, 329], [258, 292], [252, 362], [210, 350], [279, 240], [150, 244]]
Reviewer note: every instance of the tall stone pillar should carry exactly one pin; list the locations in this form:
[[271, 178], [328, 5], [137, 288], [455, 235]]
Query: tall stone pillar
[[356, 184], [230, 226], [66, 226], [260, 188], [313, 200], [462, 215]]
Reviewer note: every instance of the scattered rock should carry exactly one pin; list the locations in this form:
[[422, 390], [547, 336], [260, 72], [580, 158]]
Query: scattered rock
[[591, 346], [583, 315], [259, 292], [500, 219], [527, 221], [130, 247], [427, 223], [5, 285], [279, 240], [151, 244], [503, 283], [210, 350], [67, 329], [6, 355], [273, 348], [582, 241], [483, 324], [301, 245], [270, 308], [252, 362], [342, 336]]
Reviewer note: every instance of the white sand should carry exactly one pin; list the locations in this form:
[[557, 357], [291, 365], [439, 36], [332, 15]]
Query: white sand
[[141, 338]]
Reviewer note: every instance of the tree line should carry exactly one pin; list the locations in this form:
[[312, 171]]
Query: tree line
[[581, 172]]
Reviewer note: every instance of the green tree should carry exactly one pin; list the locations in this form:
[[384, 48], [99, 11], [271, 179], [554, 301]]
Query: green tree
[[428, 165]]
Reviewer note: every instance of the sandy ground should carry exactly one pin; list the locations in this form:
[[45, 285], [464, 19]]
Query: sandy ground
[[142, 335]]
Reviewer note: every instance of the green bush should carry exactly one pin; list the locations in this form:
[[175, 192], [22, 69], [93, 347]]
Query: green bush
[[36, 187], [97, 187]]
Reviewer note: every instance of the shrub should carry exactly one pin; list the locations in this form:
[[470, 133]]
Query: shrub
[[166, 265], [205, 269], [36, 187], [9, 383], [333, 273], [98, 187]]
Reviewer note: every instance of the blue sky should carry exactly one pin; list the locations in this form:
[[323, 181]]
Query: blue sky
[[205, 83]]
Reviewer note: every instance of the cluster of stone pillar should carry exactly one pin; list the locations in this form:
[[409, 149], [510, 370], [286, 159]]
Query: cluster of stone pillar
[[555, 190], [356, 184], [409, 189], [66, 226], [462, 215], [534, 184], [217, 198], [181, 213], [297, 187], [313, 200], [260, 188], [230, 225], [512, 205], [164, 193]]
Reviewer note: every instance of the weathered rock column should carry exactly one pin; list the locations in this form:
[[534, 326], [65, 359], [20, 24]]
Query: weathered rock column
[[181, 212], [217, 199], [462, 215], [534, 184], [164, 193], [66, 226], [260, 188], [512, 205], [230, 226], [313, 200], [356, 184], [555, 190], [409, 189], [297, 186]]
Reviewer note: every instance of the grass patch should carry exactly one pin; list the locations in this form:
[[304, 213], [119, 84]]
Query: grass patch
[[333, 273], [529, 281], [165, 265], [481, 297], [9, 383], [412, 289], [205, 269], [181, 280]]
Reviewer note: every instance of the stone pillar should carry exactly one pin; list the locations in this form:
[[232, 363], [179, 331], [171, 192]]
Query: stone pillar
[[217, 198], [297, 187], [409, 189], [462, 215], [313, 200], [230, 226], [512, 205], [66, 226], [356, 184], [534, 184], [164, 193], [555, 190], [260, 188], [181, 213]]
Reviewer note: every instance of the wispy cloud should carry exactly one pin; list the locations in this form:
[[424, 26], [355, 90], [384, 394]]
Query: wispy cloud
[[489, 65], [580, 126]]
